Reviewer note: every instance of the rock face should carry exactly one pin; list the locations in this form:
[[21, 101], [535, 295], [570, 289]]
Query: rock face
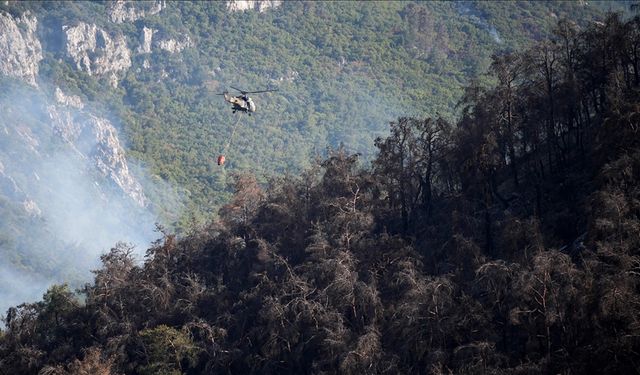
[[12, 191], [92, 49], [96, 52], [20, 49], [259, 5], [174, 46], [129, 11], [147, 38], [95, 139], [150, 42], [68, 100], [66, 190], [108, 156]]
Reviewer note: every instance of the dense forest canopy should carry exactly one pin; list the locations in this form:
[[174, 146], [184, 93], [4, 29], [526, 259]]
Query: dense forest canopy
[[504, 242], [343, 71]]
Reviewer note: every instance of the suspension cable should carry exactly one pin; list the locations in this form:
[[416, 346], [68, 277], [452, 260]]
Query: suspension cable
[[233, 133]]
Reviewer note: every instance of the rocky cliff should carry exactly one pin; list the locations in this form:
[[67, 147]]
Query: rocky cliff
[[259, 5], [20, 49], [94, 139], [66, 190], [146, 39], [94, 51], [91, 138], [174, 45], [129, 11], [15, 194], [97, 52], [91, 141]]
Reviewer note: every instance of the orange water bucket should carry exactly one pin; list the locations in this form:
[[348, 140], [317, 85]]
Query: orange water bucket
[[221, 160]]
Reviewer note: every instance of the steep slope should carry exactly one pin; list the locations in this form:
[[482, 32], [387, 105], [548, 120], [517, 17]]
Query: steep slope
[[343, 70], [67, 191], [74, 71], [505, 243]]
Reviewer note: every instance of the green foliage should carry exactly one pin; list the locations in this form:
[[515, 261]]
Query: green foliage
[[506, 243], [166, 349], [343, 70]]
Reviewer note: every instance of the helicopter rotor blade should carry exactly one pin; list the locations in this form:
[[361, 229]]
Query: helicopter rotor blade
[[252, 92], [257, 92]]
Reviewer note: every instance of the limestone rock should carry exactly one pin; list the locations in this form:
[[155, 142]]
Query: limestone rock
[[129, 11], [259, 5], [173, 46], [20, 49], [96, 139], [96, 52], [8, 185], [68, 100], [147, 38]]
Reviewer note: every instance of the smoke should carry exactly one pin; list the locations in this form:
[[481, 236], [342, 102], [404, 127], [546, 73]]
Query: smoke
[[474, 16], [495, 35], [62, 196], [79, 210], [18, 286]]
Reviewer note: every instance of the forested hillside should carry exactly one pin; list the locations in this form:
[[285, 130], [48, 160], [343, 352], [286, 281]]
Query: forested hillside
[[504, 242], [113, 104], [343, 70]]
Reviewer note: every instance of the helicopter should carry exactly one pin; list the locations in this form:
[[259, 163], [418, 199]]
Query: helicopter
[[243, 102]]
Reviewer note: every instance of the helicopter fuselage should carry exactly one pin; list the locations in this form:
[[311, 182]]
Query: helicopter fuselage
[[241, 103]]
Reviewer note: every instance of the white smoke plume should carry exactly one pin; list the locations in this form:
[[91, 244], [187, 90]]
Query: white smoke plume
[[63, 198]]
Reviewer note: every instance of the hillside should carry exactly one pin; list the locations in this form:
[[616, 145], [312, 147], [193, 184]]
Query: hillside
[[343, 70], [504, 242], [113, 104]]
